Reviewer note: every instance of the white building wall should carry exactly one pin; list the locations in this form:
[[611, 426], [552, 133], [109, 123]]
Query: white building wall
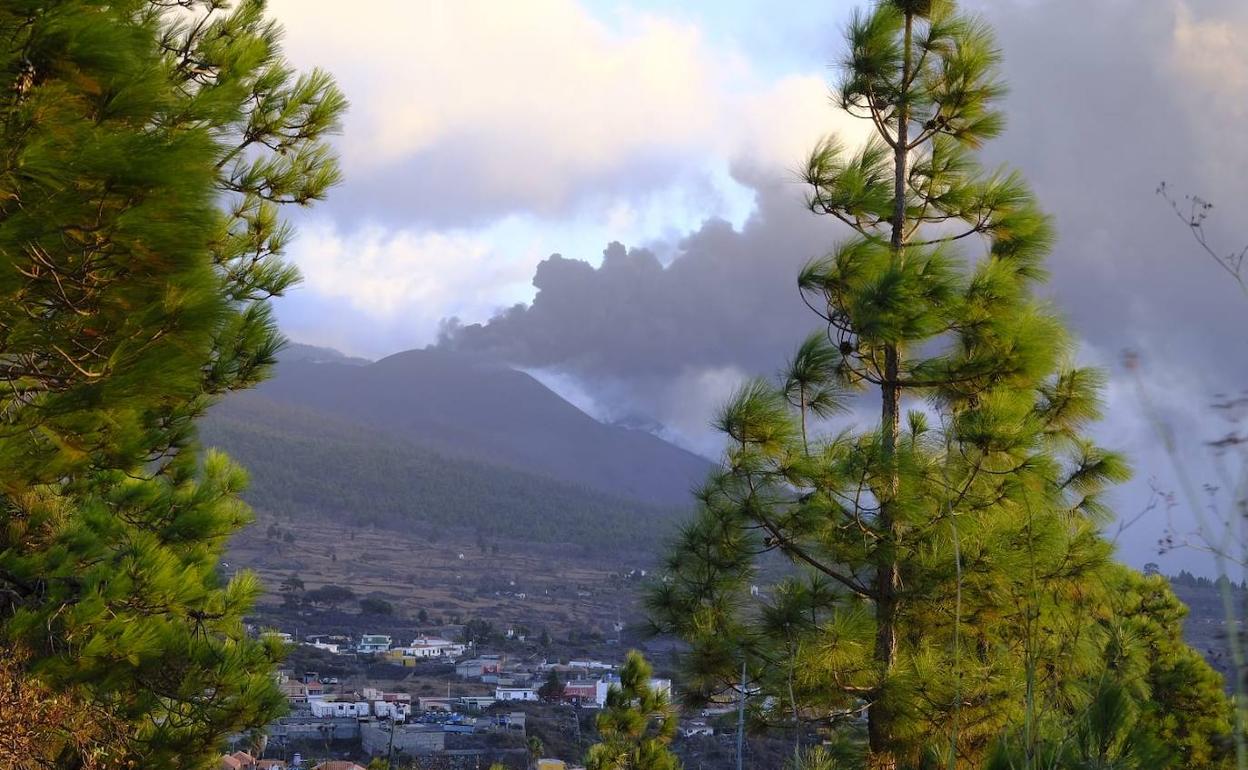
[[393, 710], [330, 708]]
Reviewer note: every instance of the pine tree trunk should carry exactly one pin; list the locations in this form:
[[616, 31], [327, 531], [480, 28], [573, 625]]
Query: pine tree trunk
[[887, 572]]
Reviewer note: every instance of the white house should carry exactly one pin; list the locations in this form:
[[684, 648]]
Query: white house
[[324, 646], [339, 708], [425, 647], [515, 693]]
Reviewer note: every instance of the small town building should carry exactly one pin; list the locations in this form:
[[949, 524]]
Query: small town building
[[295, 692], [395, 711], [433, 647], [580, 691], [339, 708], [239, 760], [437, 704], [373, 643], [327, 646], [475, 668], [475, 702], [372, 693]]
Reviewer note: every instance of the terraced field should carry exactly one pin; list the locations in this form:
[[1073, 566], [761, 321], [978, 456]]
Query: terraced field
[[453, 578]]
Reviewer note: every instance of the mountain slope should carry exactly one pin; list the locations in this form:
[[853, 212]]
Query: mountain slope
[[303, 462], [297, 351], [467, 408]]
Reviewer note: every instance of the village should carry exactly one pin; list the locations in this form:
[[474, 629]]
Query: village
[[435, 702]]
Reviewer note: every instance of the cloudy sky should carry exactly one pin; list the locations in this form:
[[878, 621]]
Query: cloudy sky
[[652, 146]]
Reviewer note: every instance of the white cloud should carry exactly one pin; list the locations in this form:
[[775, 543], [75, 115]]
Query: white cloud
[[531, 95], [1208, 74], [532, 103], [780, 124], [423, 274], [1209, 55], [565, 130]]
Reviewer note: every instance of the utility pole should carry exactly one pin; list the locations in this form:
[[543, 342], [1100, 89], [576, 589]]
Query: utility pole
[[390, 751]]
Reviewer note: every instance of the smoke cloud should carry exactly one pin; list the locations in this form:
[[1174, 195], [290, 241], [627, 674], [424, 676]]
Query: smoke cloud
[[1107, 100]]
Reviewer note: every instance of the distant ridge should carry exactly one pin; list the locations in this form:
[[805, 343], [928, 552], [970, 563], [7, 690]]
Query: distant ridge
[[477, 409], [437, 439], [297, 351], [304, 463]]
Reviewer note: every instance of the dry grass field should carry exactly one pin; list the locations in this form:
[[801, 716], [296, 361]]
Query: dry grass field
[[452, 578]]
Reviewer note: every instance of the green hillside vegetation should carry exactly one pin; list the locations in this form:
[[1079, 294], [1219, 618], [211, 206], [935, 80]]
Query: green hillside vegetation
[[303, 463], [480, 409]]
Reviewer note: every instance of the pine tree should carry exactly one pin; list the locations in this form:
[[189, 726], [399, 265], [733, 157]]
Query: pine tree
[[1180, 701], [934, 554], [552, 688], [148, 146], [636, 725]]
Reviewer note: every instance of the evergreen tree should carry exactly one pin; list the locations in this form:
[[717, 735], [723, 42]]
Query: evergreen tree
[[1107, 736], [536, 749], [936, 556], [1149, 701], [148, 146], [292, 583], [1181, 700], [552, 688], [636, 725], [373, 606]]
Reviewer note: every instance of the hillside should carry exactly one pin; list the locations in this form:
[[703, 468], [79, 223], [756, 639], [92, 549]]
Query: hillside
[[467, 408], [304, 463], [297, 351]]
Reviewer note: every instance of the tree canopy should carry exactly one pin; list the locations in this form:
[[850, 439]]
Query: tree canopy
[[943, 571], [636, 724], [147, 149]]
